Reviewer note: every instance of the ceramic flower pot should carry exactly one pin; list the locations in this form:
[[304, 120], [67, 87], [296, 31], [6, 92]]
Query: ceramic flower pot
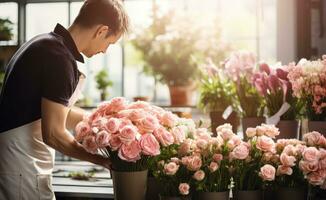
[[212, 195], [291, 194], [248, 122], [247, 194], [129, 185], [181, 95], [217, 120], [319, 126], [288, 129]]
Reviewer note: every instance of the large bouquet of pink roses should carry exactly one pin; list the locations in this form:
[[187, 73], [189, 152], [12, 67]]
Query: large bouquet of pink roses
[[130, 133]]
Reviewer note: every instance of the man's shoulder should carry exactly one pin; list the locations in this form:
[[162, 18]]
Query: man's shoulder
[[46, 43]]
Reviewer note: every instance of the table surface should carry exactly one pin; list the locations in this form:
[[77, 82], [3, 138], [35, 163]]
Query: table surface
[[100, 186]]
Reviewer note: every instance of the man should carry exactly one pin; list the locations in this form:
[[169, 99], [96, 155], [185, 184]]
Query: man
[[40, 86]]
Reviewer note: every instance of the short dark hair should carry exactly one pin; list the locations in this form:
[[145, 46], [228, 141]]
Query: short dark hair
[[107, 12]]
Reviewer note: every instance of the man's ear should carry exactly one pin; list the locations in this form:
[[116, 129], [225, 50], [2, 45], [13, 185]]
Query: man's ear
[[102, 31]]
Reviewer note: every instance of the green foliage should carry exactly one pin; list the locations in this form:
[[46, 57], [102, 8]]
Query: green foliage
[[103, 82], [5, 29]]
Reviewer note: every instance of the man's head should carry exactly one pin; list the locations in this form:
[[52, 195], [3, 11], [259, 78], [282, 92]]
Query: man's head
[[105, 22]]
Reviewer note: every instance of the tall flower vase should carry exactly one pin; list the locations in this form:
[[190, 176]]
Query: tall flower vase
[[288, 129], [291, 194], [247, 194], [129, 185], [251, 122], [181, 95], [319, 126], [217, 120], [212, 195]]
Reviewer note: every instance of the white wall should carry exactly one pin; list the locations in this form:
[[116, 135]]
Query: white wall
[[286, 31]]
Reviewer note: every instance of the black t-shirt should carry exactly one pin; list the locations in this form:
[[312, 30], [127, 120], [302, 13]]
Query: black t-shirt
[[45, 67]]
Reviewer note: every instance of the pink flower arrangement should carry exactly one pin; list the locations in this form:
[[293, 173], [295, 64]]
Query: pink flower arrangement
[[130, 132], [308, 80]]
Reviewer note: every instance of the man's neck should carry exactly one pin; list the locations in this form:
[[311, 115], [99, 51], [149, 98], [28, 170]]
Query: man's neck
[[79, 37]]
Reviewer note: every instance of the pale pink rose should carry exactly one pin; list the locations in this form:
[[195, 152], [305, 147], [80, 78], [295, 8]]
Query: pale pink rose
[[184, 188], [148, 124], [124, 122], [251, 132], [224, 126], [267, 156], [267, 172], [322, 141], [171, 168], [213, 166], [287, 160], [284, 170], [115, 142], [299, 149], [289, 150], [175, 160], [236, 140], [322, 153], [194, 163], [112, 126], [117, 104], [322, 163], [260, 130], [99, 122], [90, 145], [179, 134], [201, 144], [271, 130], [311, 154], [202, 133], [139, 105], [149, 145], [163, 136], [95, 130], [185, 160], [169, 119], [128, 134], [82, 130], [137, 115], [240, 152], [102, 139], [130, 152], [199, 175], [308, 167], [226, 134], [281, 143], [315, 178], [217, 157], [311, 138], [185, 147], [266, 144]]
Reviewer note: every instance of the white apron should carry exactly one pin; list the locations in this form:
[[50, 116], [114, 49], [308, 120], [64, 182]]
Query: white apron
[[26, 162]]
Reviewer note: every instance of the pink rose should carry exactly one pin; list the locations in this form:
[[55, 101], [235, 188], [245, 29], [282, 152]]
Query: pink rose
[[139, 105], [311, 138], [194, 163], [185, 147], [185, 160], [213, 166], [308, 167], [251, 132], [117, 104], [137, 115], [112, 126], [287, 160], [82, 130], [311, 154], [115, 142], [179, 134], [99, 122], [90, 145], [281, 143], [163, 136], [175, 160], [199, 175], [184, 188], [148, 124], [202, 133], [240, 152], [271, 130], [201, 144], [224, 126], [315, 178], [226, 134], [266, 144], [102, 139], [128, 134], [149, 145], [289, 150], [217, 157], [125, 122], [267, 172], [267, 156], [322, 141], [169, 119], [171, 168], [130, 152], [284, 170]]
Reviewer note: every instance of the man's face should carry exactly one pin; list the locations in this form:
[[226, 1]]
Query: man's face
[[100, 42]]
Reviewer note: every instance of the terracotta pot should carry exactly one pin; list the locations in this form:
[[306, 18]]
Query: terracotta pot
[[181, 95], [291, 194], [247, 194], [153, 189], [319, 126], [217, 120], [252, 122], [141, 98], [212, 195], [288, 129], [129, 185]]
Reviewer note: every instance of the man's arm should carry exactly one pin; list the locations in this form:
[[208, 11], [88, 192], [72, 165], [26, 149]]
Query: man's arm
[[75, 115], [55, 134]]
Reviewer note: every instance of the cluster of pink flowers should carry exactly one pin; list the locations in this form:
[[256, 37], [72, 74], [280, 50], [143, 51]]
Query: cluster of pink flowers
[[133, 129], [308, 80]]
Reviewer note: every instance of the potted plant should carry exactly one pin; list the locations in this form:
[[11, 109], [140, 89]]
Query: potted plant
[[168, 48], [308, 79], [5, 29], [218, 96], [103, 82], [283, 108], [240, 67]]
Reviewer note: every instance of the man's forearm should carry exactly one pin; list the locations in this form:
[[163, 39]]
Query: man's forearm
[[75, 115]]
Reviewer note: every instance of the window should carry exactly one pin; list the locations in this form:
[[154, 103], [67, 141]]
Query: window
[[10, 11]]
